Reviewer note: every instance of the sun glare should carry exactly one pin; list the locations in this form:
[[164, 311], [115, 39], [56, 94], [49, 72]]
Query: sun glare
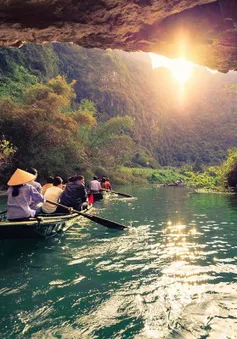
[[213, 71], [181, 69]]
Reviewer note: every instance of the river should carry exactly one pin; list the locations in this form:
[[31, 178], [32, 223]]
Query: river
[[172, 275]]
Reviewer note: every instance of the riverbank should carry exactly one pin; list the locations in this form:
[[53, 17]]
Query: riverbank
[[135, 175], [208, 180], [203, 190]]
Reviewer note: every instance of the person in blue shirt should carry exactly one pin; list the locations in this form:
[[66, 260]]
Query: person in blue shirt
[[33, 182], [20, 195], [74, 194]]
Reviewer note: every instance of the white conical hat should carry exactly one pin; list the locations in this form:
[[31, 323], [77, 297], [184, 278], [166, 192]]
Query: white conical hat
[[20, 177]]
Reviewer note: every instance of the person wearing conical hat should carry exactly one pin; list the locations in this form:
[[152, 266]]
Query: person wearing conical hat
[[20, 194]]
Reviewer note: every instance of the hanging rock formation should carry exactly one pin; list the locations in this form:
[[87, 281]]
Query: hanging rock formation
[[203, 31]]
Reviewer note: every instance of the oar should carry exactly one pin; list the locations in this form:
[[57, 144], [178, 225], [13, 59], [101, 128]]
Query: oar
[[102, 221], [122, 194]]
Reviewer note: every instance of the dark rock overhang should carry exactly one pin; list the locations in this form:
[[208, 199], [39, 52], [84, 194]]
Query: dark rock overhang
[[203, 31]]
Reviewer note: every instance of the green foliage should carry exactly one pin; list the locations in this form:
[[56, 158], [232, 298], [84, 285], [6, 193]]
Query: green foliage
[[164, 176], [56, 95], [161, 176], [119, 111], [85, 117], [14, 85], [229, 169], [108, 130], [209, 179], [53, 140], [87, 106], [203, 180], [144, 158], [7, 151], [45, 138]]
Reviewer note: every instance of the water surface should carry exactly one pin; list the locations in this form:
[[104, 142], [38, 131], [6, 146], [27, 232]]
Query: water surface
[[173, 275]]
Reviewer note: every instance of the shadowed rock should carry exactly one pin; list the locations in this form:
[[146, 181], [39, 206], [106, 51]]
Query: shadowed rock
[[203, 31]]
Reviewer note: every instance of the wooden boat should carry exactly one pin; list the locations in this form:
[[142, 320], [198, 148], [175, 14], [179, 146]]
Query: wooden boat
[[44, 226], [97, 195]]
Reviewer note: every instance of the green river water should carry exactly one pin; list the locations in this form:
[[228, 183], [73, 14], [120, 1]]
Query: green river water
[[172, 275]]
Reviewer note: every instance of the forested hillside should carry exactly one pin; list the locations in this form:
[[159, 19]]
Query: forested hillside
[[172, 126]]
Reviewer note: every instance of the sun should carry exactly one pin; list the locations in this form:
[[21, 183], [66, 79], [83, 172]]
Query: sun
[[181, 69]]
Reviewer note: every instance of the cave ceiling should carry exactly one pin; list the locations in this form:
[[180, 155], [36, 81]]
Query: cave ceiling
[[203, 31]]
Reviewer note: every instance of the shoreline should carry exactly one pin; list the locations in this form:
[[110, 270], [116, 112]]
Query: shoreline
[[206, 190]]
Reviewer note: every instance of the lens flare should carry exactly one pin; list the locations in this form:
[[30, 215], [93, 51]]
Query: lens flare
[[181, 69]]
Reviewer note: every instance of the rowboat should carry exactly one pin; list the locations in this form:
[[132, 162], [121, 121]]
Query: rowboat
[[44, 226], [96, 195]]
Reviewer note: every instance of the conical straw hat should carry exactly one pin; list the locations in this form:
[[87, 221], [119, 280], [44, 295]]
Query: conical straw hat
[[20, 177]]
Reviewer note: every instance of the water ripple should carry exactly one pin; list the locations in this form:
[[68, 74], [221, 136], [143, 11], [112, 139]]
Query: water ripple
[[173, 275]]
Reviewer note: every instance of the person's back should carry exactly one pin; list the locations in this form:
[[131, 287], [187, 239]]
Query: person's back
[[95, 185], [103, 182], [53, 194], [34, 183], [74, 194], [107, 185], [20, 195], [47, 185]]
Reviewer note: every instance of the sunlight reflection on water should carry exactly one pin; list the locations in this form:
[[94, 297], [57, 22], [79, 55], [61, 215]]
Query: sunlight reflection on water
[[173, 276]]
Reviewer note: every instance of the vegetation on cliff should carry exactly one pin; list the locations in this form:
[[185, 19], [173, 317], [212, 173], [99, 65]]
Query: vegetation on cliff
[[65, 108], [45, 131]]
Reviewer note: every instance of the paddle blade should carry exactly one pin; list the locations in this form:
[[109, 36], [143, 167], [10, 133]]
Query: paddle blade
[[105, 222], [119, 193], [102, 221], [123, 194]]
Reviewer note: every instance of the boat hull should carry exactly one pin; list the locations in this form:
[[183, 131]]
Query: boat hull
[[97, 196], [44, 226]]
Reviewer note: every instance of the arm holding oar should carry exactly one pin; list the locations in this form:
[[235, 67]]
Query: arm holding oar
[[102, 221]]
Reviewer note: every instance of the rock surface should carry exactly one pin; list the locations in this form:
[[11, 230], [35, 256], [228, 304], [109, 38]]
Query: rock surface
[[203, 31]]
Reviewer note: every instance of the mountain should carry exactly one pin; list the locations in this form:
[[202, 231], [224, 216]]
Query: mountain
[[195, 122]]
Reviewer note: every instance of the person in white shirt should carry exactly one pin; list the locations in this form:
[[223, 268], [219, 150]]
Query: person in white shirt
[[95, 189], [95, 185], [53, 193]]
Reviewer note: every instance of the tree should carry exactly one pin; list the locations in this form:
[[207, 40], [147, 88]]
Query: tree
[[45, 137], [7, 151], [229, 169]]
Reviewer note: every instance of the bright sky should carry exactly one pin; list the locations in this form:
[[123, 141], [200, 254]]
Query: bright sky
[[181, 69]]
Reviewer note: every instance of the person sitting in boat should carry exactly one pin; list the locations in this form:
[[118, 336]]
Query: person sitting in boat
[[33, 182], [107, 185], [53, 193], [74, 194], [20, 194], [47, 185], [102, 182], [95, 186]]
